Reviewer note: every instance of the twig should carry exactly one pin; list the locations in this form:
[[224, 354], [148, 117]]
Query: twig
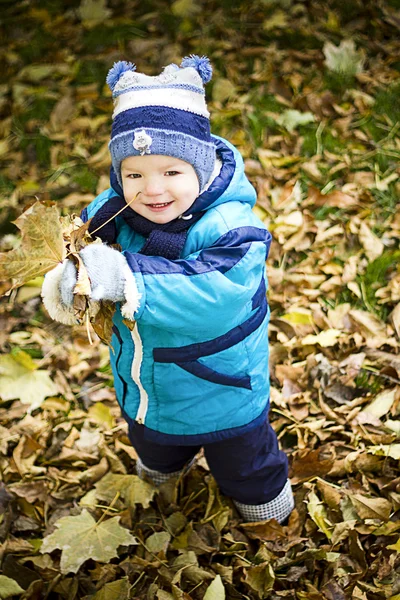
[[116, 214], [109, 508], [134, 584], [87, 323], [318, 137]]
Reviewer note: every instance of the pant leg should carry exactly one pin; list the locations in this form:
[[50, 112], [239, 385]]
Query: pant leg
[[254, 472], [159, 462]]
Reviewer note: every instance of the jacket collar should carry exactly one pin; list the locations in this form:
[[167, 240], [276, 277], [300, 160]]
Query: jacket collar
[[220, 183]]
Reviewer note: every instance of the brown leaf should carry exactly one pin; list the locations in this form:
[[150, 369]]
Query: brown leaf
[[80, 237], [371, 508], [269, 530], [336, 199], [41, 248], [261, 579], [307, 465], [102, 322]]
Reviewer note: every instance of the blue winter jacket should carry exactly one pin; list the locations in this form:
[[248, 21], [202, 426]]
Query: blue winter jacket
[[195, 367]]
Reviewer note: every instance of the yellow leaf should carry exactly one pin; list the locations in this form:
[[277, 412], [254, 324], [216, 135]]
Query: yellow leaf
[[100, 413], [372, 244], [24, 359], [382, 403], [392, 450], [222, 90], [299, 317], [93, 12], [276, 21], [317, 512], [9, 587], [393, 426], [31, 387], [396, 547], [323, 339], [184, 8], [215, 590], [41, 248]]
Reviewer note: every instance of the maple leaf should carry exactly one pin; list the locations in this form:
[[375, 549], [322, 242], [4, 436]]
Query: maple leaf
[[81, 538], [343, 58], [41, 248], [132, 489]]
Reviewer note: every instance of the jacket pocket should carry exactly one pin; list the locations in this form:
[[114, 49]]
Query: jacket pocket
[[204, 372], [191, 357]]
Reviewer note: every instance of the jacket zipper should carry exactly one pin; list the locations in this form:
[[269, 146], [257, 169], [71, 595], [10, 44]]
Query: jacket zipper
[[124, 384], [135, 374]]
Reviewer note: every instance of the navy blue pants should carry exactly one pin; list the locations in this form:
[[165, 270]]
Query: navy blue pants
[[249, 468]]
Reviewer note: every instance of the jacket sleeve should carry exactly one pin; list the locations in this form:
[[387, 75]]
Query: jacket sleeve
[[207, 293]]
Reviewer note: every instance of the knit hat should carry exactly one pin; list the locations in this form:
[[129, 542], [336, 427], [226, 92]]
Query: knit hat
[[165, 114]]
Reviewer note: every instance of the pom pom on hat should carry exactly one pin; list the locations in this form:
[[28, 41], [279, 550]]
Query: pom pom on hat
[[117, 70], [201, 64]]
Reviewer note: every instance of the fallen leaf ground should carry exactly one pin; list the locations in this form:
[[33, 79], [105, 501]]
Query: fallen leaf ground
[[322, 148]]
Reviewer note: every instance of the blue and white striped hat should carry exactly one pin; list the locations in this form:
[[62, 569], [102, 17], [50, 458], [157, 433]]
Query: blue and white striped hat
[[166, 114]]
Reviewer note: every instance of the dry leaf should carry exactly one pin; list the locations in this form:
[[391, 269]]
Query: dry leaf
[[372, 244], [371, 508], [41, 248], [81, 538]]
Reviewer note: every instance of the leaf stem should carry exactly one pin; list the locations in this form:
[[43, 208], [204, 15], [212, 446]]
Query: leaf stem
[[105, 513], [116, 214]]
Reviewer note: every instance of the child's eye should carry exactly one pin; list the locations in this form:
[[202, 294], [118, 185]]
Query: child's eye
[[172, 173], [133, 176]]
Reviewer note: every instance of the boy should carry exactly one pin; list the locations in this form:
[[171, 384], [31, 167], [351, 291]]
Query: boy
[[194, 371]]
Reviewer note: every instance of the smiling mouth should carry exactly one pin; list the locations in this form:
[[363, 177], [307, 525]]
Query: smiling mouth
[[159, 206]]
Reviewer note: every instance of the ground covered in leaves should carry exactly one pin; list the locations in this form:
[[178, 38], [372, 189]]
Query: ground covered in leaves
[[309, 91]]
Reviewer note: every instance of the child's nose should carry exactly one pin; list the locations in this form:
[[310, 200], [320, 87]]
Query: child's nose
[[153, 187]]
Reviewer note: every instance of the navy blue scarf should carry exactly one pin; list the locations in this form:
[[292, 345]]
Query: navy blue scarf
[[165, 240]]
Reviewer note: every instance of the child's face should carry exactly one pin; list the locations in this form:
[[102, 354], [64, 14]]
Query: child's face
[[168, 186]]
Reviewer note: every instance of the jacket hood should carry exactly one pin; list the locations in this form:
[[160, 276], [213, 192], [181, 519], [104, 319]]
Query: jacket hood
[[231, 184]]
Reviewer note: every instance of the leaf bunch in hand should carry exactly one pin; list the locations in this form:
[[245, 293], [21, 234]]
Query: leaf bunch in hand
[[47, 240]]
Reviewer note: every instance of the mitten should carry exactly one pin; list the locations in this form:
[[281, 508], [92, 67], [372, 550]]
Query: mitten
[[68, 283], [107, 271], [57, 293]]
